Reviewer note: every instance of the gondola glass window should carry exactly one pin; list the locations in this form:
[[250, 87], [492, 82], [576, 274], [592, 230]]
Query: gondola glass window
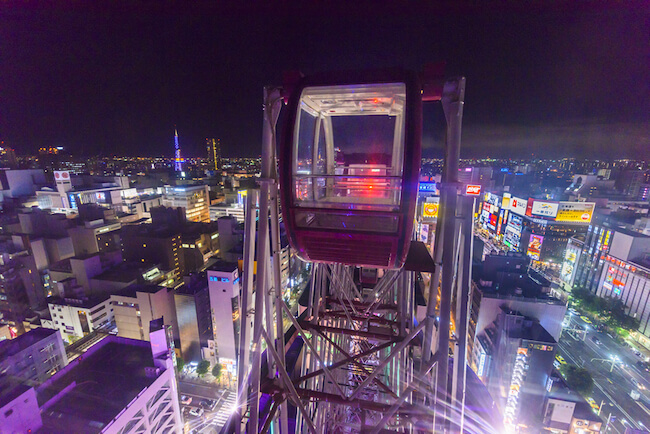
[[350, 147]]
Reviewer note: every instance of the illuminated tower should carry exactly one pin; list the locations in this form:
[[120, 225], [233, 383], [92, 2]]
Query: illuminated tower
[[177, 156]]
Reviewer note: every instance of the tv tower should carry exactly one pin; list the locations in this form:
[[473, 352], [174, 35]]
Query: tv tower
[[177, 155]]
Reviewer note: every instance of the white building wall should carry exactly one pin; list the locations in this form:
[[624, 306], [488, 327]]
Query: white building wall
[[217, 211], [65, 318], [155, 410], [23, 182], [222, 293], [21, 414]]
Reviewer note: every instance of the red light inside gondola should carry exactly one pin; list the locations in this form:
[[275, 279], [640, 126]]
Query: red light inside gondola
[[350, 151]]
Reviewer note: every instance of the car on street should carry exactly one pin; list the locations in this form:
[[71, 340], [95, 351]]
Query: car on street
[[186, 400], [643, 365], [593, 404], [637, 384], [560, 359], [208, 403], [585, 319], [198, 412], [595, 340]]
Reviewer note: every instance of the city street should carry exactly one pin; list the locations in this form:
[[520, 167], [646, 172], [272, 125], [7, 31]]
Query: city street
[[212, 420], [612, 389]]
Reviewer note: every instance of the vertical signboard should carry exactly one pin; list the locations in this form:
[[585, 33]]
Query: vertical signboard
[[535, 246], [424, 232]]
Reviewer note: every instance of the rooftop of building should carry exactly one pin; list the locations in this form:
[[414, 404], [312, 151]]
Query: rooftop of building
[[148, 196], [10, 389], [150, 230], [132, 290], [14, 346], [582, 409], [530, 330], [192, 284], [91, 188], [182, 187], [198, 228], [125, 272], [62, 266], [508, 276], [137, 222], [223, 266], [93, 389], [86, 302]]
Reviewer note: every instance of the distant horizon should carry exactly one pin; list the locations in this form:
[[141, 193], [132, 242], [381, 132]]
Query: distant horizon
[[424, 157]]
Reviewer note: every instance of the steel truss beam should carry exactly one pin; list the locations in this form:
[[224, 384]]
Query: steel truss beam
[[357, 364]]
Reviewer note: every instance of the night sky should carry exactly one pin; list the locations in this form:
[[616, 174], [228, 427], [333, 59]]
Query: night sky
[[106, 78]]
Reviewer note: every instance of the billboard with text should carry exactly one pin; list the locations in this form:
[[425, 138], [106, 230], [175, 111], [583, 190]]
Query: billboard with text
[[575, 212], [518, 205], [544, 209]]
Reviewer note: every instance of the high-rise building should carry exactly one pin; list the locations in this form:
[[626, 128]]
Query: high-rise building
[[14, 299], [506, 282], [519, 377], [224, 286], [195, 199], [8, 156], [137, 305], [192, 302], [147, 243], [213, 147]]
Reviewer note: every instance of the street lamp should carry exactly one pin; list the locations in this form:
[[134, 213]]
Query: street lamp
[[612, 359]]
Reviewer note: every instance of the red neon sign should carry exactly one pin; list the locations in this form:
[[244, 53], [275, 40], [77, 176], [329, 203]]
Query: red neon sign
[[474, 190]]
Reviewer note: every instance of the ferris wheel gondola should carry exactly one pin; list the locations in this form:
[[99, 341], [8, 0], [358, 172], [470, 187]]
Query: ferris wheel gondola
[[349, 163]]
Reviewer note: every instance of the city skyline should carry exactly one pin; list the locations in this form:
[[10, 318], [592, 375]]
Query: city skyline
[[161, 272], [100, 79]]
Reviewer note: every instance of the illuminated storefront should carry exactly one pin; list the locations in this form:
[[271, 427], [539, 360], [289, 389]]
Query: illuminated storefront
[[629, 282]]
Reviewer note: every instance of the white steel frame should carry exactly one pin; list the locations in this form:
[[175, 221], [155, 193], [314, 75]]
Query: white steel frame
[[364, 363]]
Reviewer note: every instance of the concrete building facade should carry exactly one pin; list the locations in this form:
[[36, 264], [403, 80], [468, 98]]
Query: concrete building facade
[[137, 305], [34, 356], [77, 317], [224, 287], [195, 199], [119, 386]]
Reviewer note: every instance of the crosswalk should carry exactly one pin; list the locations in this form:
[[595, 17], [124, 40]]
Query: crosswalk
[[225, 410]]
